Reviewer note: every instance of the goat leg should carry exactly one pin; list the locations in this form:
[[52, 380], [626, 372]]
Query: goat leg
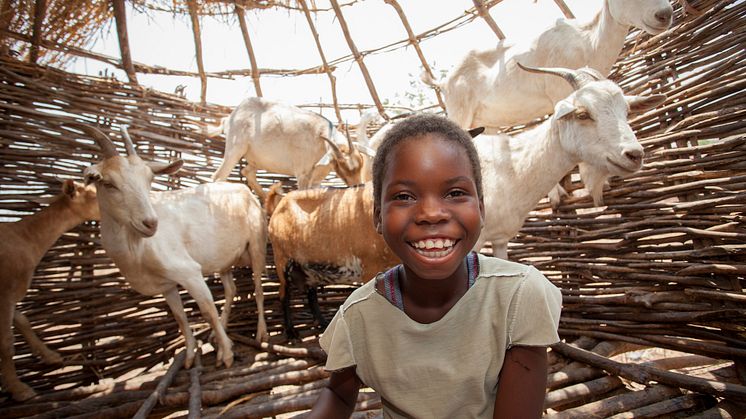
[[313, 303]]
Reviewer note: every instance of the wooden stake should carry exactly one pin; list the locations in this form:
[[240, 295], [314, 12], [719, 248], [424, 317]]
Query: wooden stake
[[416, 44], [327, 70], [249, 49], [40, 11], [120, 16], [485, 14], [194, 15], [565, 10], [359, 59]]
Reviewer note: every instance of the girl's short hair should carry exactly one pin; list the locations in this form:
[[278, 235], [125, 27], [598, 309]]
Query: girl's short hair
[[415, 126]]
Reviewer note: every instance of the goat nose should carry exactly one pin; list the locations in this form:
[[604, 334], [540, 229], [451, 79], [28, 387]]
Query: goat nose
[[635, 155], [150, 223], [664, 15]]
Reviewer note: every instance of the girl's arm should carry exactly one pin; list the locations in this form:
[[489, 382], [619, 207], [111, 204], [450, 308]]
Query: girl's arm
[[522, 384], [338, 399]]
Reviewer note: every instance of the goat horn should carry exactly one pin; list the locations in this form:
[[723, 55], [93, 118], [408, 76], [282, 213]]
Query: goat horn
[[577, 79], [335, 148], [128, 144], [103, 140], [349, 139]]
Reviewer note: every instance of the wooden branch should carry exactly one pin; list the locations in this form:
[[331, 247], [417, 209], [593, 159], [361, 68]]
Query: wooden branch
[[485, 14], [416, 44], [310, 352], [358, 59], [195, 390], [194, 15], [579, 393], [666, 407], [619, 403], [40, 12], [644, 375], [163, 384], [327, 69], [565, 10], [249, 49], [120, 16]]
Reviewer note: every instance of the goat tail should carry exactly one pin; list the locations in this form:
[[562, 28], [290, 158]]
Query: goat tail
[[215, 130], [231, 156], [428, 79], [274, 195]]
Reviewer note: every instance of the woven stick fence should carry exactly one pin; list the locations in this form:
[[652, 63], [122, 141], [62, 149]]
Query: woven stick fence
[[661, 265]]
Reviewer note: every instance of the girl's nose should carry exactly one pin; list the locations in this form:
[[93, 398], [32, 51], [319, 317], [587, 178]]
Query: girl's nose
[[431, 211]]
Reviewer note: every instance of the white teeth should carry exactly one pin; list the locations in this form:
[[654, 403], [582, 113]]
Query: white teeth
[[434, 247]]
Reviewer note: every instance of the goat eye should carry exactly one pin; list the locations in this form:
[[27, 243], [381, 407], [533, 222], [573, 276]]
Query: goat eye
[[108, 185], [583, 115]]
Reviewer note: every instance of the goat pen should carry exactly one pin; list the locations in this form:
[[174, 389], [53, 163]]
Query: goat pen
[[659, 269]]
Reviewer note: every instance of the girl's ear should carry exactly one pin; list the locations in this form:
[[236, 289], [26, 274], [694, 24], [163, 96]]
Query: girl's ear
[[377, 220], [481, 210]]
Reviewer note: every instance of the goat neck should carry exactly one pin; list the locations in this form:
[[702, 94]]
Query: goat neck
[[42, 229], [606, 37], [539, 160]]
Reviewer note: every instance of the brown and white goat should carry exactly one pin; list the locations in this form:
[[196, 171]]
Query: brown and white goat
[[285, 139], [160, 240], [323, 237], [22, 247]]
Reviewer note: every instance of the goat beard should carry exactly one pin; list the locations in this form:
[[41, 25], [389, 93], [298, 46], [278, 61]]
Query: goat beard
[[594, 179]]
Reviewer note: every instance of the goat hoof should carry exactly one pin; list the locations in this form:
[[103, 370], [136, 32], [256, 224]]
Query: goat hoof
[[22, 392], [224, 357], [189, 360]]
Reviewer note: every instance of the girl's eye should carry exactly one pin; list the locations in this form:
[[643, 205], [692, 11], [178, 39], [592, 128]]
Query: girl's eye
[[402, 197], [456, 194]]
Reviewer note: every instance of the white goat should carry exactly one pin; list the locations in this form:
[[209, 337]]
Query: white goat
[[488, 89], [160, 240], [23, 245], [285, 139], [588, 126], [322, 237]]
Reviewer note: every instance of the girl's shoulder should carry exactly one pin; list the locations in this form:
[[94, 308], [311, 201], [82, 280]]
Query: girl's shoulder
[[361, 295], [495, 267]]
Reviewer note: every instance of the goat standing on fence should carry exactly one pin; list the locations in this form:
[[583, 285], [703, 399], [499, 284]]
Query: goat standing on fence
[[588, 126], [161, 240], [22, 247], [285, 139], [488, 89]]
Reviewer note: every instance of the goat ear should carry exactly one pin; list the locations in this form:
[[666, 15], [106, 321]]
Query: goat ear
[[475, 131], [562, 109], [166, 168], [92, 174], [365, 149], [639, 104], [68, 188]]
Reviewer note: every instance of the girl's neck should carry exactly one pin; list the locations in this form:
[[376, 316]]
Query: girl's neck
[[427, 300]]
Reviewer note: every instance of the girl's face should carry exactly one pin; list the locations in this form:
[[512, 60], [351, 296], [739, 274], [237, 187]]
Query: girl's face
[[430, 214]]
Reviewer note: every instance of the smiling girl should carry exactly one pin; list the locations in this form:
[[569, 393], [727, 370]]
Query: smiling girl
[[449, 333]]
